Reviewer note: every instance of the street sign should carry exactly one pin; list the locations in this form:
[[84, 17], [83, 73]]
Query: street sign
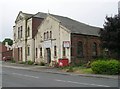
[[66, 43]]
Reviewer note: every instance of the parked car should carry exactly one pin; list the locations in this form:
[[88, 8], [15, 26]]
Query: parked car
[[7, 58]]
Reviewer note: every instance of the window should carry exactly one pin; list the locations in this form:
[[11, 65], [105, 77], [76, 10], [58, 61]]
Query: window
[[36, 52], [80, 49], [50, 34], [28, 32], [64, 52], [18, 32], [47, 35], [94, 49], [41, 51], [28, 51], [21, 32], [55, 51], [14, 36], [21, 53], [44, 36]]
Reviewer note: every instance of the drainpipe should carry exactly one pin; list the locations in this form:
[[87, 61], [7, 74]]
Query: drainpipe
[[34, 49], [25, 40], [59, 43]]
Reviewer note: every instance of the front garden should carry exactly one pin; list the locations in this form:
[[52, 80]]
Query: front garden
[[98, 66], [105, 66]]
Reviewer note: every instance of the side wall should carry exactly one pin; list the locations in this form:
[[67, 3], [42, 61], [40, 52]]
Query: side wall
[[87, 47]]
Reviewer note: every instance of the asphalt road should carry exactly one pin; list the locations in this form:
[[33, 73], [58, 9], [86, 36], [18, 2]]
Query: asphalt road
[[25, 78]]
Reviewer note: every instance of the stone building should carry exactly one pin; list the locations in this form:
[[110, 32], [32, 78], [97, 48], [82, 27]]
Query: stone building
[[60, 37], [47, 37]]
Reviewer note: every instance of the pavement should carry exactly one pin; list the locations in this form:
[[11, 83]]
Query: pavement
[[47, 69]]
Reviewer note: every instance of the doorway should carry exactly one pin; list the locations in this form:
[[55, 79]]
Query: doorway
[[48, 55]]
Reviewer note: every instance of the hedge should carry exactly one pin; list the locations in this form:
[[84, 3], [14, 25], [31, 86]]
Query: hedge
[[106, 67]]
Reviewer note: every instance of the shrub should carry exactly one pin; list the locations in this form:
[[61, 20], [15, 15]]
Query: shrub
[[42, 64], [70, 69], [22, 62], [106, 66], [13, 61], [30, 62]]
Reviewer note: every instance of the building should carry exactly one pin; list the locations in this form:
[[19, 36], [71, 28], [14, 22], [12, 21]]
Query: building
[[119, 7], [60, 37], [48, 37], [24, 31], [5, 51]]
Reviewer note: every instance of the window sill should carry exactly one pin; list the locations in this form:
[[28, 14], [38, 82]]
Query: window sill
[[41, 56], [55, 56]]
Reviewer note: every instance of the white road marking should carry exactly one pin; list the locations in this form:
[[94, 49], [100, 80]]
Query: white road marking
[[25, 75], [81, 83], [16, 67]]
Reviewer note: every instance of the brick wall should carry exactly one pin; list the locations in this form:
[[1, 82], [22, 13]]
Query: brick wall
[[4, 52], [35, 23], [87, 47]]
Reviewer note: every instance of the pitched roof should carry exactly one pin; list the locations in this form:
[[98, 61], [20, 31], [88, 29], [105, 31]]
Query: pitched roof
[[73, 25], [26, 15], [40, 15], [77, 27]]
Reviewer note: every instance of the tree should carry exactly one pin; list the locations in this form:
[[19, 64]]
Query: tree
[[110, 34], [10, 41]]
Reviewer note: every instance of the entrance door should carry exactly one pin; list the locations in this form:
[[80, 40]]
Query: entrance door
[[48, 55]]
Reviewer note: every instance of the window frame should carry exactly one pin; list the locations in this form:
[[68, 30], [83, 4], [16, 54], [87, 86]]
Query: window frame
[[40, 51], [94, 49], [80, 49], [55, 51], [28, 51]]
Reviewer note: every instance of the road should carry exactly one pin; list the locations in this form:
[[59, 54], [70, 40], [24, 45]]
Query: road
[[12, 77]]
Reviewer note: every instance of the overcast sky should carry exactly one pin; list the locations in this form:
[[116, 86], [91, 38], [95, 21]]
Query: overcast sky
[[91, 12]]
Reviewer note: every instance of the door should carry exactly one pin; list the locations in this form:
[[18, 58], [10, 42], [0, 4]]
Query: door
[[48, 55]]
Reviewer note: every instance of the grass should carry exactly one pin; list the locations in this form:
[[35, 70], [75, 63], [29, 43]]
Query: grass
[[80, 70]]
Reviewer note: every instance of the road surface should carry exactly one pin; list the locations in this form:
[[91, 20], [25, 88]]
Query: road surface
[[12, 77]]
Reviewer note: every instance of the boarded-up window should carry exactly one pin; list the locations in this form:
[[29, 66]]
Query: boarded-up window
[[94, 49], [80, 49]]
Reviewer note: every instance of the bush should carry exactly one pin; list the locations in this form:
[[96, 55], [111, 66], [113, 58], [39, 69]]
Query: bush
[[106, 66], [42, 64], [70, 69], [13, 61], [22, 62], [30, 62]]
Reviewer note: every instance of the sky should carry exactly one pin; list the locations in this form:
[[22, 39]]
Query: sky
[[91, 12]]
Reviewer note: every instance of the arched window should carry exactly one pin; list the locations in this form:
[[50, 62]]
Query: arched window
[[50, 34], [21, 32], [55, 51], [28, 31], [41, 52], [47, 35], [80, 49], [94, 49]]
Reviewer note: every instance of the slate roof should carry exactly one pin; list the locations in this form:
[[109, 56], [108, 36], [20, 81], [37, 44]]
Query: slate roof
[[73, 25], [78, 27]]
